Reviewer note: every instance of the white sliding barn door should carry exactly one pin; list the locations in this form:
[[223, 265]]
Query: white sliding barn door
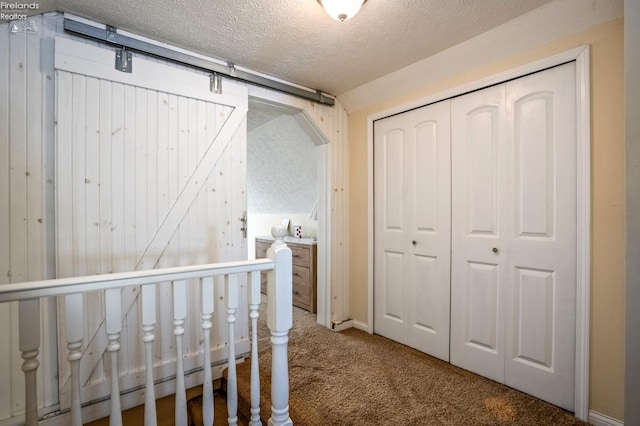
[[151, 172], [514, 234], [412, 228]]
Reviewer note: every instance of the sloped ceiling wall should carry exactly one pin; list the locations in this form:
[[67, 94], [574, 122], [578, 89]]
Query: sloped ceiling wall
[[282, 165]]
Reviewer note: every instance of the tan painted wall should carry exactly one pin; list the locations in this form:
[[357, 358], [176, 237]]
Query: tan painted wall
[[608, 200]]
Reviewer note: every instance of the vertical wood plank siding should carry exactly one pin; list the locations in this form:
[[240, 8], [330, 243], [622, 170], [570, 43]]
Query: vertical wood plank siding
[[26, 78], [6, 363]]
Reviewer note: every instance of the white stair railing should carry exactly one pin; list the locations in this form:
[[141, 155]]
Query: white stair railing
[[29, 327], [74, 310], [279, 320], [254, 305], [148, 329], [231, 290], [114, 327], [179, 315], [207, 314]]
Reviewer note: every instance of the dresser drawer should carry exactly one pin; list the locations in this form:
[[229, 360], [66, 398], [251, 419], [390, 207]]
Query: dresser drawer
[[301, 287], [300, 255], [300, 275], [304, 275]]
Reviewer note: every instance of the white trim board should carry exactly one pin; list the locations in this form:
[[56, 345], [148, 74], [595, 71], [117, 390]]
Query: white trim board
[[632, 180], [599, 419], [581, 56], [359, 325]]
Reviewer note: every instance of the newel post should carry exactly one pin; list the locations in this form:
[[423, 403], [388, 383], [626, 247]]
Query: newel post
[[279, 320]]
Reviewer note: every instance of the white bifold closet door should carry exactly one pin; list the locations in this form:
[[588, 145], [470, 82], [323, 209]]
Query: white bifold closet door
[[412, 228], [513, 270], [475, 221]]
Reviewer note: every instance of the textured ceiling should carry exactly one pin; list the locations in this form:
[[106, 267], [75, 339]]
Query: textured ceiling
[[296, 41]]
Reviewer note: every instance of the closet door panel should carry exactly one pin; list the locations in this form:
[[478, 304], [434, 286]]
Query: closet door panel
[[481, 320], [514, 214], [534, 164], [478, 272], [391, 228], [393, 183], [540, 334], [412, 228], [425, 183], [481, 158]]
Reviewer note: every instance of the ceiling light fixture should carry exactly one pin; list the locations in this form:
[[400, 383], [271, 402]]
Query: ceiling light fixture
[[342, 9]]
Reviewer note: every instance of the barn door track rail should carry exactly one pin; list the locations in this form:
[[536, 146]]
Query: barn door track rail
[[110, 35]]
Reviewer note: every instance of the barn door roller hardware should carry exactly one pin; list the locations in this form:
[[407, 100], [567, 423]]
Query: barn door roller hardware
[[111, 35], [123, 60], [123, 57]]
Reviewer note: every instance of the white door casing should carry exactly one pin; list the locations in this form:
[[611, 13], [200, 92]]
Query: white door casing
[[151, 171], [514, 234], [412, 225], [581, 57]]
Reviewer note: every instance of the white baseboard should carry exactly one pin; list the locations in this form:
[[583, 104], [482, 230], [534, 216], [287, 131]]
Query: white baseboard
[[361, 326], [342, 325], [599, 419]]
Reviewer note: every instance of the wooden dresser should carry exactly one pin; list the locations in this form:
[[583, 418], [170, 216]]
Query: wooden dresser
[[305, 276]]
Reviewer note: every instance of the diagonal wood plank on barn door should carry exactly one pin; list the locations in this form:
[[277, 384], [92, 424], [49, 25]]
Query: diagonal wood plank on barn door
[[137, 164]]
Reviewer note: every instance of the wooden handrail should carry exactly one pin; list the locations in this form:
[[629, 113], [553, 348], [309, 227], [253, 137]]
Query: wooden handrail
[[73, 285]]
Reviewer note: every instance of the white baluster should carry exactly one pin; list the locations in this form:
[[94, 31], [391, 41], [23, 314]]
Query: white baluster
[[207, 386], [74, 316], [114, 327], [231, 290], [29, 325], [279, 320], [148, 326], [179, 314], [254, 305]]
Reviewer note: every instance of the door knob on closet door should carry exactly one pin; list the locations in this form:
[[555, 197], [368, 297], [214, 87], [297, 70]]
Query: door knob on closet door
[[495, 250]]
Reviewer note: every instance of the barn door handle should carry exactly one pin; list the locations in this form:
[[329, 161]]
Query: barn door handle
[[243, 228]]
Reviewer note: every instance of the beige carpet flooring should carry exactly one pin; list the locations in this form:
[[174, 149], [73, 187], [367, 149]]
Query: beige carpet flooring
[[354, 378]]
